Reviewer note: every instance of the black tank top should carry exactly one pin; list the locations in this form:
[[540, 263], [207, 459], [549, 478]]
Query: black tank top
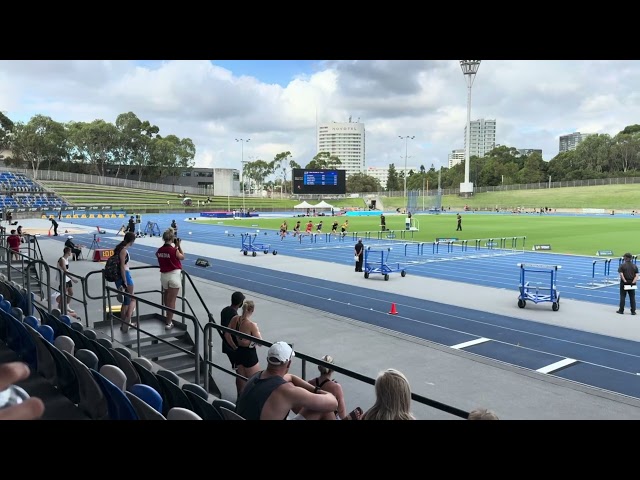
[[255, 394]]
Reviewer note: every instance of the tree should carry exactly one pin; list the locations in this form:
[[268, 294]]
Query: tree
[[279, 162], [323, 160], [393, 179], [6, 131], [258, 171], [95, 143], [361, 182], [41, 139]]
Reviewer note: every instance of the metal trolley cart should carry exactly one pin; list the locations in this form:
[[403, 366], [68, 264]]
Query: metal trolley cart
[[539, 292], [376, 261], [249, 244]]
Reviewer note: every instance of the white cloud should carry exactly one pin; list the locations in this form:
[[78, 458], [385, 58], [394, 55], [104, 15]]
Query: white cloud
[[533, 103]]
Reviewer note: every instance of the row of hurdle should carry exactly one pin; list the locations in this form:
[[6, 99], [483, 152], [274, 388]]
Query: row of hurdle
[[503, 243], [601, 272], [340, 237]]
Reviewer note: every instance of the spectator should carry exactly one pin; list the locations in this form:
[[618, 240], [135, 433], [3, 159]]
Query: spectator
[[393, 397], [245, 354], [68, 281], [57, 300], [9, 217], [169, 257], [328, 384], [227, 313], [13, 240], [125, 282], [174, 225], [482, 414], [31, 408], [131, 227], [75, 249], [272, 393]]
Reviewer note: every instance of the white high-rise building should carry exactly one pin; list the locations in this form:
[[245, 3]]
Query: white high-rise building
[[456, 157], [571, 141], [382, 173], [483, 137], [345, 141]]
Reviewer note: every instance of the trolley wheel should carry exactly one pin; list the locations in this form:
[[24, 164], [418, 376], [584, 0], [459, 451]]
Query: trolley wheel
[[266, 251], [275, 252], [521, 303], [245, 252], [555, 306], [254, 254], [403, 273], [386, 276], [366, 274]]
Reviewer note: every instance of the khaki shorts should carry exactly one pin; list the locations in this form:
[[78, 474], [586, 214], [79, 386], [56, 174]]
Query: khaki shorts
[[171, 279]]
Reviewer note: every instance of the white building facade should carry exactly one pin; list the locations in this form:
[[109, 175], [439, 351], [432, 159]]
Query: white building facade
[[382, 173], [345, 141], [456, 157], [571, 141], [483, 137]]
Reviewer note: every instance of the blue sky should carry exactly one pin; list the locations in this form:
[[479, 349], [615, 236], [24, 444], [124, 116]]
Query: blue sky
[[274, 102]]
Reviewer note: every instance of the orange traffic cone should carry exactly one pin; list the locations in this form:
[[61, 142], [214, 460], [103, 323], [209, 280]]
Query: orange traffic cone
[[393, 309], [49, 232]]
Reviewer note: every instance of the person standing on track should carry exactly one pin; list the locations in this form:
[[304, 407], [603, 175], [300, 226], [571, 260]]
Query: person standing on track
[[359, 255], [459, 217], [628, 272]]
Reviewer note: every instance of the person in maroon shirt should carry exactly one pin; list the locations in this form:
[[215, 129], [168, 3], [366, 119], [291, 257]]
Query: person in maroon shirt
[[169, 258], [14, 241]]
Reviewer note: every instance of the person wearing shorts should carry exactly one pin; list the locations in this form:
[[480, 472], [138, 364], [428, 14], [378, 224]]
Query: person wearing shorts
[[125, 281], [170, 257]]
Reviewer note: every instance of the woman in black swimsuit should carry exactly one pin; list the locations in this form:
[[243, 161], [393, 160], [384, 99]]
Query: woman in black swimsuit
[[245, 354]]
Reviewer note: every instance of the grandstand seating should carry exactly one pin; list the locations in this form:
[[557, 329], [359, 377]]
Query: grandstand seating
[[19, 191], [80, 375]]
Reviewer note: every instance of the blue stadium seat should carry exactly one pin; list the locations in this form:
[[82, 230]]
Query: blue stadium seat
[[149, 395], [119, 406]]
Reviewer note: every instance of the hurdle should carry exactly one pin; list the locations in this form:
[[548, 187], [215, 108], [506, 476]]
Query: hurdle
[[312, 237], [597, 282], [634, 260]]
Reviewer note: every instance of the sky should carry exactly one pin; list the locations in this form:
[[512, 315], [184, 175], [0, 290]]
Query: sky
[[276, 104]]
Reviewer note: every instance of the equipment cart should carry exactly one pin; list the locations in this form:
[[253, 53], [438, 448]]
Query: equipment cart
[[376, 261], [249, 244], [539, 292]]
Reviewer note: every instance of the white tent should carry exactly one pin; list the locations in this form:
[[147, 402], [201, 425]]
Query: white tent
[[304, 204], [323, 204]]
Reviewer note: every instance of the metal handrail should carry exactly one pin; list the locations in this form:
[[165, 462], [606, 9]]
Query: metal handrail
[[316, 361]]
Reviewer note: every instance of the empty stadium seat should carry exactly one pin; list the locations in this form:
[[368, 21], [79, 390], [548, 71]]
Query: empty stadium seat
[[172, 394], [87, 357], [115, 375], [203, 408], [118, 405], [66, 344], [92, 400], [127, 367], [143, 409], [178, 413], [149, 395], [229, 415]]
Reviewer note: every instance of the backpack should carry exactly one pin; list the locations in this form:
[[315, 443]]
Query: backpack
[[112, 267]]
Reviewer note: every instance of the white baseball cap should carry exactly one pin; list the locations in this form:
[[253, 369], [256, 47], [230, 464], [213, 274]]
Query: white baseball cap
[[279, 353]]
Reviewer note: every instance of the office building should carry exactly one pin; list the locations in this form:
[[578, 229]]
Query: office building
[[571, 141], [456, 157], [345, 141], [382, 173], [482, 138]]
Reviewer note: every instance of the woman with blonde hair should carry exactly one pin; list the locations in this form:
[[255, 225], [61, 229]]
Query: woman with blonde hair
[[246, 357], [393, 397]]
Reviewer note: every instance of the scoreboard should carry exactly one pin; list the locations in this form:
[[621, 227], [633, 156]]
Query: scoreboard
[[319, 181]]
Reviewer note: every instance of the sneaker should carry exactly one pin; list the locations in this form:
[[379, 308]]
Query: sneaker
[[168, 326], [633, 313], [620, 311]]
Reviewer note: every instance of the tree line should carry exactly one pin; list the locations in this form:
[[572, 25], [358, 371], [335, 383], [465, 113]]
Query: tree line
[[128, 147], [132, 147]]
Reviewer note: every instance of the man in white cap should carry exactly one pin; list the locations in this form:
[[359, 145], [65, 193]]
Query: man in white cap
[[75, 249], [272, 393]]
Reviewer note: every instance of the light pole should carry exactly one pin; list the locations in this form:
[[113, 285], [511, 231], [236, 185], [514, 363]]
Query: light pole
[[242, 142], [469, 70], [406, 146]]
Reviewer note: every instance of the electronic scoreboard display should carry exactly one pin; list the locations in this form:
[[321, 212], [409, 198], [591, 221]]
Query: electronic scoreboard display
[[319, 181]]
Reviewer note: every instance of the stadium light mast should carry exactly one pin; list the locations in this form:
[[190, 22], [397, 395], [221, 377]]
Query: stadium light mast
[[242, 142], [406, 139], [469, 70]]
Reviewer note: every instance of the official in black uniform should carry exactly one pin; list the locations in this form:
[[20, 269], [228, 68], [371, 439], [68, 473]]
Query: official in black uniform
[[359, 252], [628, 272]]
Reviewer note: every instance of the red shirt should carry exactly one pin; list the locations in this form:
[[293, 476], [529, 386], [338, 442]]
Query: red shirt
[[167, 259], [14, 242]]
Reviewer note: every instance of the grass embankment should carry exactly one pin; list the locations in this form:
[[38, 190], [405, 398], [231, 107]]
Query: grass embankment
[[609, 197], [575, 235]]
